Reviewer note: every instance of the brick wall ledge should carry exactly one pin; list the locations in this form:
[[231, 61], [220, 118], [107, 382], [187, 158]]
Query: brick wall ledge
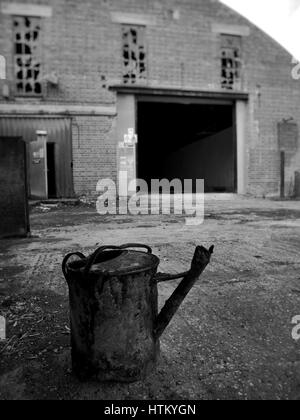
[[188, 93], [40, 109]]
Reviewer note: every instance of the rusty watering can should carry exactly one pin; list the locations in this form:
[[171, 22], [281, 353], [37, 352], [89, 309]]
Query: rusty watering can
[[115, 325]]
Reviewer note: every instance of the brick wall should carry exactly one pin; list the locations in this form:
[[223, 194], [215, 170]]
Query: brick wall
[[94, 152], [83, 46]]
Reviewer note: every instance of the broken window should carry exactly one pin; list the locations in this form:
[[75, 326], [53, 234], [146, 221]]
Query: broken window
[[231, 63], [26, 61], [134, 54]]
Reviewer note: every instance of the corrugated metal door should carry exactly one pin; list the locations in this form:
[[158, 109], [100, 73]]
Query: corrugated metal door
[[14, 220], [58, 132], [38, 168]]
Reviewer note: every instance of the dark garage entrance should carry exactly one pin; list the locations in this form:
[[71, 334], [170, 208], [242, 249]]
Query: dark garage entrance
[[188, 141], [14, 220]]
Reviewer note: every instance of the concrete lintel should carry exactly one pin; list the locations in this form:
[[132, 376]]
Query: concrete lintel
[[176, 92], [223, 28], [32, 109], [132, 19], [26, 9]]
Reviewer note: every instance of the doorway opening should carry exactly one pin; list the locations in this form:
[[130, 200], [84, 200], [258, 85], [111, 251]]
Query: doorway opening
[[188, 141], [52, 191]]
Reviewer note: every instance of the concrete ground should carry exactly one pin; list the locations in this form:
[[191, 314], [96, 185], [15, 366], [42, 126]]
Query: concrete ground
[[231, 339]]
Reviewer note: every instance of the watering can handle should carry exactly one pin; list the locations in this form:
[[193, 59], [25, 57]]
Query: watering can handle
[[96, 254], [66, 259], [200, 261], [100, 250]]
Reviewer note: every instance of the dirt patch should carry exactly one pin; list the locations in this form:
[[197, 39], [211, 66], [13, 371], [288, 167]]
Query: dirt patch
[[247, 215], [231, 339]]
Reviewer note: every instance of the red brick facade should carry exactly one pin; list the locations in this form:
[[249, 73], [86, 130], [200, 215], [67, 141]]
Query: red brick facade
[[82, 44]]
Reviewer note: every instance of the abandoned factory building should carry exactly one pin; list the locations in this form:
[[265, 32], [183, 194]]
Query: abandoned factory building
[[209, 95]]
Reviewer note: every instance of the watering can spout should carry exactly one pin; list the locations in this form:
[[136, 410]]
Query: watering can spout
[[200, 261]]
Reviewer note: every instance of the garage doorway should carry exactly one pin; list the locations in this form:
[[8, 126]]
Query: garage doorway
[[188, 141]]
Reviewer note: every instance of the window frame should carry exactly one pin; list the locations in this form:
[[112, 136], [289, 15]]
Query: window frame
[[237, 82], [140, 81], [23, 94]]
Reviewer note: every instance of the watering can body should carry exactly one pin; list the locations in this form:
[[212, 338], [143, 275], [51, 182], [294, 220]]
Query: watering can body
[[115, 325]]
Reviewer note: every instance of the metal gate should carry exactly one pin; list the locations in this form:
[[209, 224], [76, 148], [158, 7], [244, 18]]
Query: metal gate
[[14, 219]]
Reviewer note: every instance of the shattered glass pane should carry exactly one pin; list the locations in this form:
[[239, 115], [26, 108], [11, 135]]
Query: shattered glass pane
[[231, 62], [27, 65], [134, 54]]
